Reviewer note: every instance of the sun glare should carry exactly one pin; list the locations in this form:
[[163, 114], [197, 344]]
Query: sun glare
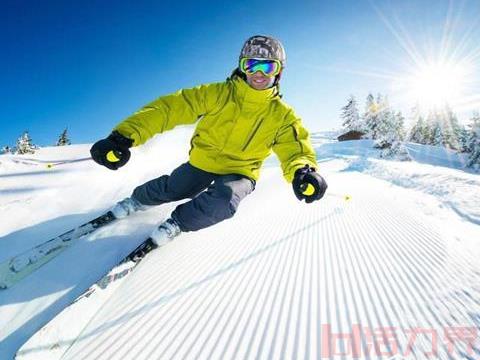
[[435, 84], [443, 73]]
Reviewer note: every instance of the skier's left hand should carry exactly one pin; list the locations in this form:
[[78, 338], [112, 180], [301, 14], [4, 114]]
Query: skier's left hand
[[308, 184]]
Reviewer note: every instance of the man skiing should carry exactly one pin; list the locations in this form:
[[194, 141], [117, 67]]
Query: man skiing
[[240, 121]]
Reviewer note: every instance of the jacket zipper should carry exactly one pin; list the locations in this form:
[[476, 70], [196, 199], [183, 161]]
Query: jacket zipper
[[250, 138]]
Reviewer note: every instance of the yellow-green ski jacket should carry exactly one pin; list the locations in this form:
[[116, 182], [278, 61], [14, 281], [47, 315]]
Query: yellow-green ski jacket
[[237, 128]]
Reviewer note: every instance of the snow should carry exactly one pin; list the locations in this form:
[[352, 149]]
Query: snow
[[269, 283], [437, 155]]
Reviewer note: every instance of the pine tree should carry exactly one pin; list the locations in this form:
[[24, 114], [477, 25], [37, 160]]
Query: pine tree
[[400, 126], [453, 129], [397, 151], [437, 134], [427, 131], [415, 132], [371, 117], [24, 144], [391, 128], [63, 139], [385, 126], [350, 116], [463, 140], [384, 132], [449, 128], [391, 136], [474, 142], [6, 150], [430, 127], [443, 129], [424, 130], [418, 132]]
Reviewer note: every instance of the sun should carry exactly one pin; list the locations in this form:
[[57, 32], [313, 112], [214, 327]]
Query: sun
[[444, 71], [435, 84]]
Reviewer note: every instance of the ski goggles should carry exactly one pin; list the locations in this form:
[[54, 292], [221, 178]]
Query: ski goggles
[[268, 67]]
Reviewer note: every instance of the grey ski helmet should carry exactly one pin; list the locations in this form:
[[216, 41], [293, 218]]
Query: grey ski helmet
[[264, 47]]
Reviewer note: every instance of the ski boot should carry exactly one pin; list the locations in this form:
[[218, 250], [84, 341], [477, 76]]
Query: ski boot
[[165, 232], [126, 207]]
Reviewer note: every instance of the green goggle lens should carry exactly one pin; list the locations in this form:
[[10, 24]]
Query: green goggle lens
[[267, 67]]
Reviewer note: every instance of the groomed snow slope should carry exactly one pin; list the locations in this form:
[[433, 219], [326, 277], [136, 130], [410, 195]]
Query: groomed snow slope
[[279, 280]]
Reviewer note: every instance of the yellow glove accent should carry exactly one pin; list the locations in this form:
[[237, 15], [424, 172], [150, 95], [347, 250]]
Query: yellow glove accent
[[309, 189], [112, 157]]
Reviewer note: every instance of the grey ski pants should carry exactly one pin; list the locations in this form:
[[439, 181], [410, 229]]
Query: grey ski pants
[[219, 202]]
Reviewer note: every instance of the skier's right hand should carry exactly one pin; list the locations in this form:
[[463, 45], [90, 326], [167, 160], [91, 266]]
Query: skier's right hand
[[112, 152]]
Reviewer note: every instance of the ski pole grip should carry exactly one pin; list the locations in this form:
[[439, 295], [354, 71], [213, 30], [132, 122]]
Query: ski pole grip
[[307, 189], [112, 156]]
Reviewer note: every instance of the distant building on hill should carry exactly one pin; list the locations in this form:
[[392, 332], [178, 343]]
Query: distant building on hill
[[351, 135]]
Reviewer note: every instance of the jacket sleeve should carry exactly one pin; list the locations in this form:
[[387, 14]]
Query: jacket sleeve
[[180, 108], [293, 147]]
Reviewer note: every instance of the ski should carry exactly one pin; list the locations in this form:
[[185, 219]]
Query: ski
[[18, 267], [121, 269], [65, 328]]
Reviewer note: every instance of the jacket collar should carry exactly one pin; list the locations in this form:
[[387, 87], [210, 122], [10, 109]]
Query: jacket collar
[[250, 95]]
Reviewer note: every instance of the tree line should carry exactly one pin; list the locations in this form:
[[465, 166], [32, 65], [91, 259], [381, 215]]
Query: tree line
[[25, 144], [386, 126]]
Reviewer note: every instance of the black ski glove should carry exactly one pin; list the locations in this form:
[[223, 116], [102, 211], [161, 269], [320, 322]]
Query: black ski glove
[[112, 152], [303, 178]]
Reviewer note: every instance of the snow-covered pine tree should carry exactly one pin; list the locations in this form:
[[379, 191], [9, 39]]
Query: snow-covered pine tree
[[474, 142], [63, 139], [463, 140], [385, 133], [417, 131], [24, 144], [443, 128], [430, 127], [385, 117], [391, 128], [371, 117], [452, 129], [400, 126], [427, 132], [396, 151], [351, 116], [437, 134], [391, 135], [6, 150]]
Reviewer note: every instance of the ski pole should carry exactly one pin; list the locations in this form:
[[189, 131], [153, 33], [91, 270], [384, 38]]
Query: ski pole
[[308, 189], [345, 197], [112, 156], [50, 165]]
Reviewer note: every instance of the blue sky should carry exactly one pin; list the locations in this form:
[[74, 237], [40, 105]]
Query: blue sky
[[87, 65]]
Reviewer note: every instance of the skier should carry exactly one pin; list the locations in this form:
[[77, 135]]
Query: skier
[[240, 121]]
